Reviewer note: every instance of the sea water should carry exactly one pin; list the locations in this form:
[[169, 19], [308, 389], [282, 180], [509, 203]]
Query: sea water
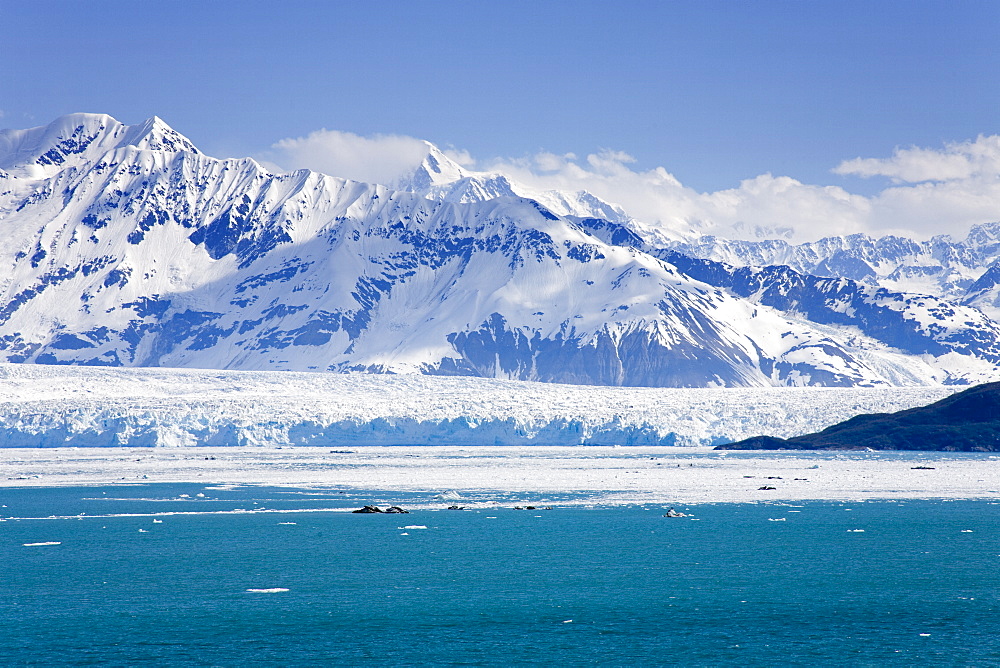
[[158, 575]]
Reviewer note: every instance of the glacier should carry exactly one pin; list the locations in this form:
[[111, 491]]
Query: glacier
[[67, 406]]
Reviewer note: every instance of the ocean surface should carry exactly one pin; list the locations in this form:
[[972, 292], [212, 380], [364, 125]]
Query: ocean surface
[[159, 575]]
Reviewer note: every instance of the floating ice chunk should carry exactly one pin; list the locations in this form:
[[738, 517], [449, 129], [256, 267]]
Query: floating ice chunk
[[855, 531], [405, 533], [925, 635], [157, 521], [776, 519], [286, 523], [143, 531], [270, 590], [966, 530], [53, 542], [413, 526]]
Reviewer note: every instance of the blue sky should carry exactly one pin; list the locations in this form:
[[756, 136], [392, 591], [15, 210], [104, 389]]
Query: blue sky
[[715, 92]]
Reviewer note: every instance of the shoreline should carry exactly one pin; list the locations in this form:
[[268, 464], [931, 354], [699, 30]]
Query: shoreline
[[599, 474]]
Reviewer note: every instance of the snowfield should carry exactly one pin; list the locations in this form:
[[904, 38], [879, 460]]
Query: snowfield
[[53, 406]]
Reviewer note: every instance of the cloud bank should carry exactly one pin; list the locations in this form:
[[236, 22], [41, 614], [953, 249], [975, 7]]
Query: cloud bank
[[376, 159], [929, 191], [957, 161]]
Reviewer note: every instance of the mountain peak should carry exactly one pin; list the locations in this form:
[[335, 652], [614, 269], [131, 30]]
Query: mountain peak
[[69, 140], [154, 134], [435, 170], [131, 254], [440, 177]]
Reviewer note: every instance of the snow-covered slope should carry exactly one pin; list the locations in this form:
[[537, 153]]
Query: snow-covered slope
[[134, 249], [441, 178], [78, 139], [941, 266], [44, 406]]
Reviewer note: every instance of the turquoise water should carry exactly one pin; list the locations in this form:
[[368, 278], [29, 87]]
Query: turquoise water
[[920, 585]]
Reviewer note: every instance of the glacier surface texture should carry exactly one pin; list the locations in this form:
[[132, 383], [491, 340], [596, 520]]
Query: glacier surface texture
[[47, 406]]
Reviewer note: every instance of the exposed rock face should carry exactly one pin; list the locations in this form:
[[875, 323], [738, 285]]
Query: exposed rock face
[[368, 510], [391, 510], [965, 422]]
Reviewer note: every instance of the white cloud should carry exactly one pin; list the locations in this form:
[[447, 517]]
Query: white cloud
[[951, 207], [788, 206], [957, 161], [932, 191], [461, 156], [375, 159], [656, 197]]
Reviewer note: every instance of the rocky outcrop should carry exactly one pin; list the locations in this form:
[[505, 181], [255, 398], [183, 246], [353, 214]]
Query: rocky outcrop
[[368, 510], [391, 510]]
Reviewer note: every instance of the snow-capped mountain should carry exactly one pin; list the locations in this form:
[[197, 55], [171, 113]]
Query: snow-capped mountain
[[941, 266], [80, 139], [955, 269], [439, 177], [124, 245]]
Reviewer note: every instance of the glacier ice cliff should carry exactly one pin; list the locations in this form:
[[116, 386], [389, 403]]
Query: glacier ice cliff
[[46, 406]]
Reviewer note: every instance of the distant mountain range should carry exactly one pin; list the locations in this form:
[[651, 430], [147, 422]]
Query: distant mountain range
[[963, 270], [126, 246]]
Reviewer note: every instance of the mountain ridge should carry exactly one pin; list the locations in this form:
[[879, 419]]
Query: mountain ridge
[[138, 250]]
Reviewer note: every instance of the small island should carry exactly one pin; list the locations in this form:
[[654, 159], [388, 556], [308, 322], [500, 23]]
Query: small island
[[968, 421]]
